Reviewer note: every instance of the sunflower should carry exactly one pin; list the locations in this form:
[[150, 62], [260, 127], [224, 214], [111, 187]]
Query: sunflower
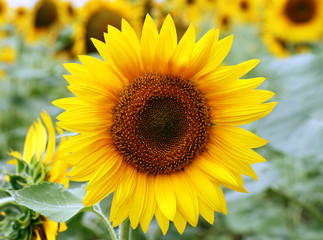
[[247, 10], [40, 147], [21, 13], [158, 124], [69, 12], [3, 11], [296, 20], [191, 9], [45, 21], [95, 16], [8, 54], [276, 46], [224, 17]]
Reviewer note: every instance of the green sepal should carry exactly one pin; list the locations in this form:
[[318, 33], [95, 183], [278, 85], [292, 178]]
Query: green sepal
[[18, 181], [22, 166], [18, 223], [38, 172]]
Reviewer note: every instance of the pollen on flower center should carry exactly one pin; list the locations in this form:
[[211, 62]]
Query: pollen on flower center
[[161, 123], [300, 11]]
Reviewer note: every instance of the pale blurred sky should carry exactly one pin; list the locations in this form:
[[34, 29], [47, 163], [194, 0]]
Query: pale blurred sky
[[28, 3]]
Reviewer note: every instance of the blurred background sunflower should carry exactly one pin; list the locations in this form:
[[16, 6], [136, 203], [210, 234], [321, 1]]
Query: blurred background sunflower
[[37, 36]]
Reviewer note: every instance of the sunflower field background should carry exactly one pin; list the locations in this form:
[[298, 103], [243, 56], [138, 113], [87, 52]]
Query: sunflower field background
[[38, 37]]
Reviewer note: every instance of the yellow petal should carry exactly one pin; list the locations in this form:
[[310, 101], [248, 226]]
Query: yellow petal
[[41, 138], [15, 154], [67, 103], [206, 212], [76, 69], [165, 45], [218, 53], [51, 137], [187, 201], [224, 77], [201, 54], [130, 35], [237, 150], [242, 115], [123, 56], [124, 190], [30, 144], [182, 54], [205, 188], [92, 95], [100, 70], [138, 200], [179, 222], [165, 196], [223, 156], [150, 204], [123, 213], [85, 119], [148, 43], [162, 220], [62, 227], [219, 173], [97, 192]]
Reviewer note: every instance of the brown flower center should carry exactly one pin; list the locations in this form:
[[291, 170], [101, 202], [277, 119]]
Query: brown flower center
[[21, 12], [97, 25], [190, 2], [300, 11], [244, 5], [225, 21], [1, 8], [46, 15], [161, 123], [70, 10]]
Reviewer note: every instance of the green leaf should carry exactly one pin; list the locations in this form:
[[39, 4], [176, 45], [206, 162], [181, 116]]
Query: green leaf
[[51, 200]]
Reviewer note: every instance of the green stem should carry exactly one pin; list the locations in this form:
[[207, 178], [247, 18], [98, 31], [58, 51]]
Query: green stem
[[310, 208], [6, 200], [113, 234], [125, 230]]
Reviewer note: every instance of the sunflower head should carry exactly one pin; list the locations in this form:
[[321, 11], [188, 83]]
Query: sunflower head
[[3, 7], [46, 15], [21, 12], [68, 11], [157, 122], [275, 45], [23, 223], [295, 20], [39, 162], [300, 11], [247, 10], [95, 16], [19, 17], [224, 17], [44, 21], [39, 156]]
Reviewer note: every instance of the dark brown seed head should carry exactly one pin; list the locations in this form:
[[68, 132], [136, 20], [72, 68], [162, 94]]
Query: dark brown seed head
[[161, 123]]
